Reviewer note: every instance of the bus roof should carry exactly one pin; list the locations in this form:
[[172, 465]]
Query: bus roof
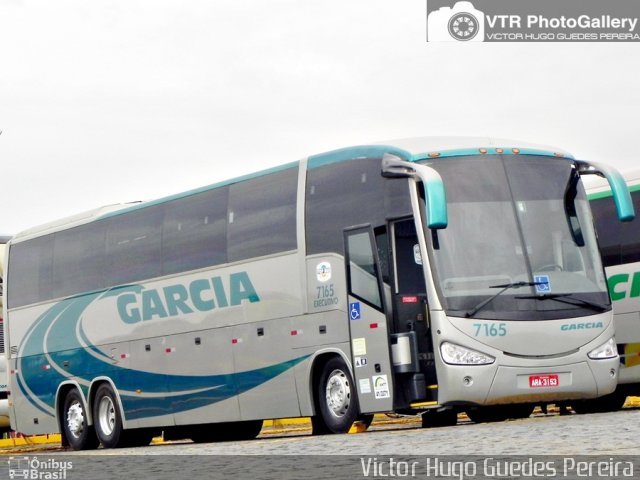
[[411, 149]]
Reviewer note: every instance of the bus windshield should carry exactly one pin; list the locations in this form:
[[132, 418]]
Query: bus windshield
[[520, 243]]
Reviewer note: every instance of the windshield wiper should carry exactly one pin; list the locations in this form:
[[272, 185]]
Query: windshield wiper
[[566, 298], [504, 288]]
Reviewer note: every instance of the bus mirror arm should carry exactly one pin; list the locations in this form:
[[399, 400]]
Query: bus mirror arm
[[436, 199], [619, 189]]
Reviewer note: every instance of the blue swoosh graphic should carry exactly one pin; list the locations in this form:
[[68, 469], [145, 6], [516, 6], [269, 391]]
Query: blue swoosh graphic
[[143, 394]]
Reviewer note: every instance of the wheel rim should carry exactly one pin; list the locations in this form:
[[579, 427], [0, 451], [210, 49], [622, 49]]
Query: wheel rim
[[106, 415], [75, 419], [338, 393]]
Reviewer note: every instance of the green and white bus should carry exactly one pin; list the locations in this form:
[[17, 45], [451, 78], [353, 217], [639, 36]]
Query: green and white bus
[[620, 249], [423, 276]]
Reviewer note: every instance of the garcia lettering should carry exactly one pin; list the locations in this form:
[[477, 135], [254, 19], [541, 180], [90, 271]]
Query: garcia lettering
[[200, 295]]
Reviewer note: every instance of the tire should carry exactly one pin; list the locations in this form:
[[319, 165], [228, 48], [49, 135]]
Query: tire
[[434, 419], [607, 403], [487, 414], [336, 398], [519, 410], [500, 413], [230, 431], [107, 418], [79, 435], [318, 427], [137, 438], [365, 419]]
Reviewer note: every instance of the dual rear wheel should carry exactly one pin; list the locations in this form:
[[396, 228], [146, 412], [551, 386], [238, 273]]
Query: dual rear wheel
[[107, 422]]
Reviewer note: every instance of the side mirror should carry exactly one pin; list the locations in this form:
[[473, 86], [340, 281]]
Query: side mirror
[[435, 195], [619, 189]]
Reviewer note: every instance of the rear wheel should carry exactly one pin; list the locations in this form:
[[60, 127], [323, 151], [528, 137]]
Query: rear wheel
[[336, 399], [137, 438], [107, 417], [78, 433]]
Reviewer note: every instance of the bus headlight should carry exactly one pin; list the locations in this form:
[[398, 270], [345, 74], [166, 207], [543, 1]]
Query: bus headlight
[[606, 350], [457, 355]]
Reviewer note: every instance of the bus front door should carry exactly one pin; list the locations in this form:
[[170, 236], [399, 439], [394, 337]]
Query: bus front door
[[368, 325], [411, 340]]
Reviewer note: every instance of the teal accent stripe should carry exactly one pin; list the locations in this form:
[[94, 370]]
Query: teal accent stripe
[[189, 193]]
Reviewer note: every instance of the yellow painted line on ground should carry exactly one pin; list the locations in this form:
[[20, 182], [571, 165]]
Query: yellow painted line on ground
[[282, 422], [34, 440]]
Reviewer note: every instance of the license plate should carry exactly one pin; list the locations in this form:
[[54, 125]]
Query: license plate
[[536, 381]]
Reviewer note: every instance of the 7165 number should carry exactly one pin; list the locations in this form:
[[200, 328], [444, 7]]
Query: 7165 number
[[490, 329]]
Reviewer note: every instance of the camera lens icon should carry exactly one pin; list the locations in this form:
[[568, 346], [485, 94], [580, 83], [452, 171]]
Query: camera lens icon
[[463, 26]]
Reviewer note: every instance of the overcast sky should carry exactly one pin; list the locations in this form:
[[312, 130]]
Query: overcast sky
[[107, 101]]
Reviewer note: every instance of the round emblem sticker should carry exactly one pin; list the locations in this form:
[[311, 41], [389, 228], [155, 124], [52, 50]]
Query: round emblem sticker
[[323, 271]]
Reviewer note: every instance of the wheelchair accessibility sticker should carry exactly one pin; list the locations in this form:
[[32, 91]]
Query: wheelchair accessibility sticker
[[542, 284], [354, 311]]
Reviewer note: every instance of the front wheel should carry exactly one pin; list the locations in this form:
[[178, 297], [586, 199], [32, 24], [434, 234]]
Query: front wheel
[[337, 398], [79, 434], [434, 419], [106, 417], [607, 403], [500, 413]]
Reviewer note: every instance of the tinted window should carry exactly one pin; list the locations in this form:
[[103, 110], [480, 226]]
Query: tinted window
[[134, 246], [262, 215], [79, 259], [195, 232], [608, 230], [342, 195], [630, 234], [363, 280], [619, 241], [30, 271]]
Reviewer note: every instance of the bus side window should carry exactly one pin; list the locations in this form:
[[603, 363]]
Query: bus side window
[[630, 235], [195, 232], [410, 273], [262, 216], [363, 270], [609, 230], [382, 244]]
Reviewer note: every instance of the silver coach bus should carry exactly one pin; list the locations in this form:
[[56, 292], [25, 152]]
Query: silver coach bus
[[425, 276]]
